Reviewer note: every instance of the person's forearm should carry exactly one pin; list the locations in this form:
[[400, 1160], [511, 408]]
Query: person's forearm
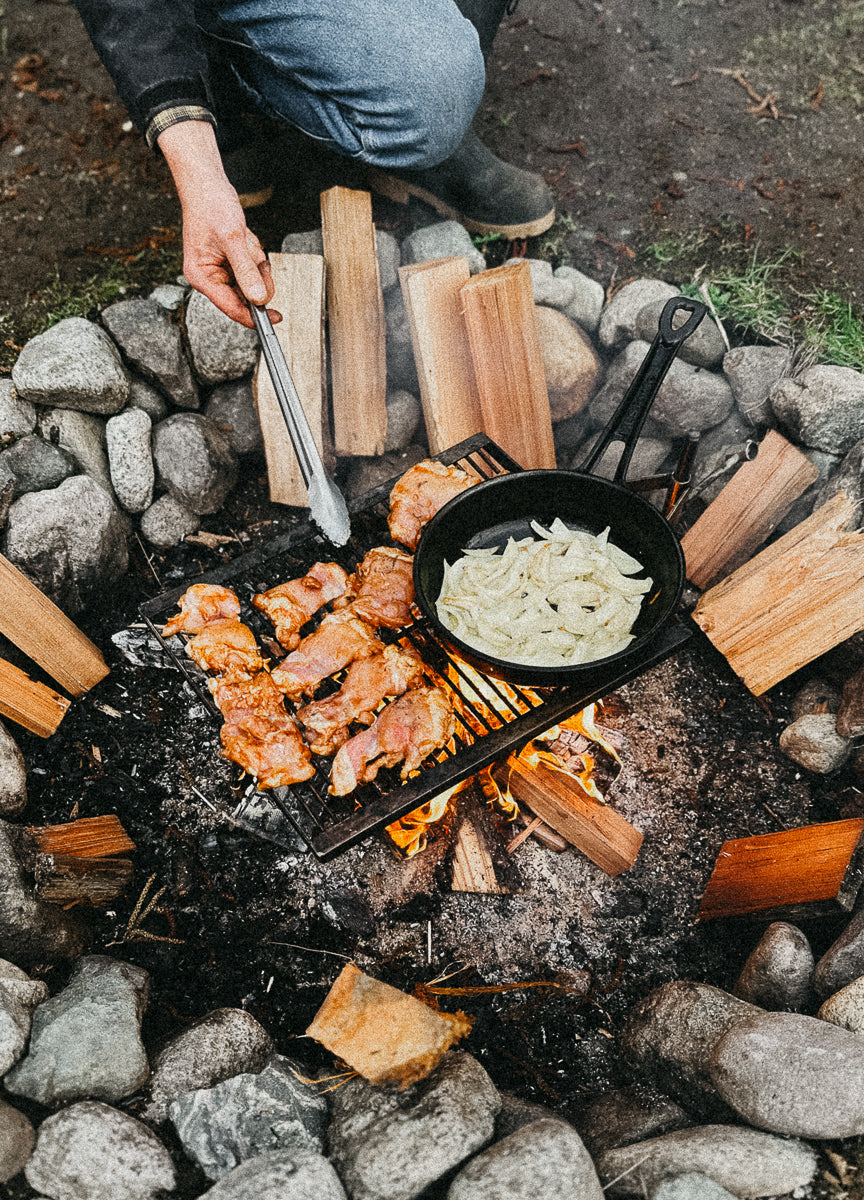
[[193, 158]]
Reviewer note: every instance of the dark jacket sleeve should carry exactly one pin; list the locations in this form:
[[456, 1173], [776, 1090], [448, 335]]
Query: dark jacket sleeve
[[154, 52]]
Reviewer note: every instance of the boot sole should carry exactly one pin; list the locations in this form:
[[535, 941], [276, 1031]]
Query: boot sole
[[401, 192]]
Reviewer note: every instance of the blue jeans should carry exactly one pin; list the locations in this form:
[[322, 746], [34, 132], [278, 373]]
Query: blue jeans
[[393, 83]]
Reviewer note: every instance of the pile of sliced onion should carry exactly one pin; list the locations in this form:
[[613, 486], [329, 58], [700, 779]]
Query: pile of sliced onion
[[562, 598]]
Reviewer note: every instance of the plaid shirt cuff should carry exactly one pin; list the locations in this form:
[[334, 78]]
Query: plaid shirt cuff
[[173, 116]]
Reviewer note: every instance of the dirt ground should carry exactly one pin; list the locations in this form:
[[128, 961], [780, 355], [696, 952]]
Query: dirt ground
[[735, 120]]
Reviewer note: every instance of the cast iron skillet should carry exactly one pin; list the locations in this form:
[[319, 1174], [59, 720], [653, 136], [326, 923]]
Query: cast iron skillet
[[490, 512]]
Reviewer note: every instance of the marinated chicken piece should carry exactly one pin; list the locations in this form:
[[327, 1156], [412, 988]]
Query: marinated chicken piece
[[290, 605], [258, 695], [276, 757], [368, 682], [228, 647], [340, 639], [383, 587], [407, 731], [418, 495], [200, 605]]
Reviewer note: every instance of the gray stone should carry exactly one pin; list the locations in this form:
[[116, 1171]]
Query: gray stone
[[557, 291], [545, 1159], [403, 417], [588, 299], [690, 1187], [744, 1161], [847, 476], [846, 1007], [814, 743], [223, 1126], [144, 396], [816, 693], [649, 454], [573, 439], [515, 1113], [74, 364], [704, 347], [19, 996], [18, 985], [309, 242], [169, 295], [444, 239], [86, 1040], [91, 1151], [390, 1145], [83, 435], [280, 1175], [793, 1074], [37, 464], [571, 365], [619, 320], [152, 344], [401, 363], [13, 776], [167, 522], [225, 1042], [367, 473], [719, 455], [670, 1036], [389, 257], [70, 541], [850, 711], [17, 1138], [132, 473], [194, 461], [231, 407], [31, 930], [752, 372], [221, 349], [7, 490], [843, 961], [823, 407], [778, 973], [625, 1115], [17, 416]]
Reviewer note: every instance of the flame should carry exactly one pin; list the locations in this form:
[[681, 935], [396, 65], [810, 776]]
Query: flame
[[409, 832]]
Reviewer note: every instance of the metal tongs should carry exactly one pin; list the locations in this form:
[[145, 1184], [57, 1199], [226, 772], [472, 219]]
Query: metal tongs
[[327, 505]]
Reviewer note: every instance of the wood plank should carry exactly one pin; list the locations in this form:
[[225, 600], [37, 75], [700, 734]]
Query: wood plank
[[747, 510], [299, 297], [69, 879], [355, 315], [797, 599], [473, 868], [445, 369], [37, 626], [505, 348], [597, 830], [88, 837], [774, 870], [31, 704]]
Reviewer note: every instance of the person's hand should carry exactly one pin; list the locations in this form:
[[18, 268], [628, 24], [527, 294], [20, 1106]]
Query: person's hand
[[221, 256]]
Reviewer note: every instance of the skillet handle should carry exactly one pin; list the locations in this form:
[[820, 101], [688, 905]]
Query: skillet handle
[[646, 383]]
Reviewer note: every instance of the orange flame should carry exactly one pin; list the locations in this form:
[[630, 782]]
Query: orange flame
[[409, 832]]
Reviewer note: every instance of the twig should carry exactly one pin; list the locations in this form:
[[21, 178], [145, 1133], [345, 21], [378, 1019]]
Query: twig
[[148, 560], [311, 949], [706, 296]]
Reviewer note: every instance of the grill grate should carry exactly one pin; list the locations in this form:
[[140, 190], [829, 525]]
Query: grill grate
[[492, 718]]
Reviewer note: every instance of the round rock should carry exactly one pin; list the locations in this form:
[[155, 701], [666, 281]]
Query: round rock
[[221, 349], [13, 776], [752, 372], [556, 291], [17, 1138], [816, 695], [280, 1175], [793, 1074], [572, 366], [17, 416], [37, 465], [690, 1187], [778, 973], [619, 320], [19, 996], [814, 743], [167, 522], [130, 461], [83, 435], [632, 1114], [31, 930], [822, 408], [151, 341], [91, 1151], [74, 364], [403, 418], [704, 347], [843, 961], [194, 461], [846, 1007], [401, 363], [444, 239], [232, 408], [143, 395], [588, 298], [546, 1158]]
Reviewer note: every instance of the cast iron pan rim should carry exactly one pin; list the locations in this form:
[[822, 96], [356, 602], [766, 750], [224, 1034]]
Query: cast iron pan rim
[[526, 673]]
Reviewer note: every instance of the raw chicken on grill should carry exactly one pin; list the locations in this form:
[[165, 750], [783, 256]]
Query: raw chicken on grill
[[275, 756], [383, 587], [228, 647], [340, 639], [290, 605], [258, 695], [407, 731], [367, 682], [200, 605], [417, 496]]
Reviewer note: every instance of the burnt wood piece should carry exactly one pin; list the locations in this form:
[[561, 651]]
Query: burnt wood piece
[[445, 370], [597, 830], [36, 625], [29, 703], [355, 315], [69, 878], [800, 597], [542, 832], [299, 297], [748, 509], [850, 714], [505, 347], [808, 872], [479, 861], [88, 837]]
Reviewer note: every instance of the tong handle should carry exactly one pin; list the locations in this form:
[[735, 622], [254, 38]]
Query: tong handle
[[286, 393]]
